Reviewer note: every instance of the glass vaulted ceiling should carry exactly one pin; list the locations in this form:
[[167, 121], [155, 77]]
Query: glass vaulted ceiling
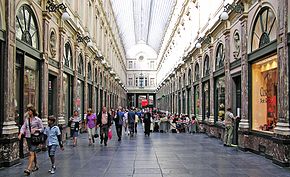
[[142, 21]]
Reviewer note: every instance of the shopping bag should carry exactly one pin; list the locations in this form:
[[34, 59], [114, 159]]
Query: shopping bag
[[110, 134]]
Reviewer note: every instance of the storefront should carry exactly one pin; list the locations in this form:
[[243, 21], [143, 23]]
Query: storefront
[[205, 90], [27, 65], [264, 73], [68, 78], [90, 86], [80, 87]]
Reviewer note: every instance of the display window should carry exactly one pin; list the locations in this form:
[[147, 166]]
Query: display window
[[206, 100], [220, 99], [196, 101], [31, 82], [264, 94], [80, 97]]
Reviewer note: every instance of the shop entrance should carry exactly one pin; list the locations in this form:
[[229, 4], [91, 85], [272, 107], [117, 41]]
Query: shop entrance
[[52, 87], [237, 106]]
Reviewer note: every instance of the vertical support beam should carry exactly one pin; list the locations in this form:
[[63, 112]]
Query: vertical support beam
[[9, 142], [200, 88], [228, 79], [211, 85]]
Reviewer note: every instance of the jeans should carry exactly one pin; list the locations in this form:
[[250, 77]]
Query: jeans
[[119, 131]]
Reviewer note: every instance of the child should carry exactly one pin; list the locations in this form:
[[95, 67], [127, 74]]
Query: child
[[53, 135]]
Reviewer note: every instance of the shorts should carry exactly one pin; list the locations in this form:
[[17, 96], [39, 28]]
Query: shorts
[[75, 133], [51, 150], [31, 147]]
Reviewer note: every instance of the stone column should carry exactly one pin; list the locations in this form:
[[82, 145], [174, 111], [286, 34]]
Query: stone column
[[211, 84], [61, 120], [75, 71], [228, 78], [282, 129], [44, 79], [86, 104], [9, 144]]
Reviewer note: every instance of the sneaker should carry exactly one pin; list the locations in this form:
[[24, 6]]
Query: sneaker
[[52, 170]]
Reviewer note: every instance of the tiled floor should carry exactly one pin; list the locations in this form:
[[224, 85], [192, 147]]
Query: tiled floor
[[160, 155]]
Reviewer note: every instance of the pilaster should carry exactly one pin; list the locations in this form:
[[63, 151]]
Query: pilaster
[[9, 144], [228, 78], [211, 85]]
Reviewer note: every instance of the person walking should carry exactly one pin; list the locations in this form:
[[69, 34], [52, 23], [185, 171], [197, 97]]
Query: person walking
[[91, 125], [75, 123], [32, 126], [119, 122], [104, 122], [229, 126], [131, 121], [53, 136], [147, 122]]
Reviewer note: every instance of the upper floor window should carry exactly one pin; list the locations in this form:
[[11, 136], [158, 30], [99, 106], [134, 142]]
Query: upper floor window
[[196, 72], [206, 66], [136, 82], [146, 81], [152, 81], [67, 58], [220, 56], [130, 81], [265, 28], [151, 64], [101, 79], [26, 27], [130, 63], [81, 65], [184, 80]]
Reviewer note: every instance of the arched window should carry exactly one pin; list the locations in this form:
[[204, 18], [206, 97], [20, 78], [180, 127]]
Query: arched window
[[81, 65], [220, 57], [206, 66], [189, 77], [264, 30], [67, 59], [196, 72], [26, 27], [89, 71]]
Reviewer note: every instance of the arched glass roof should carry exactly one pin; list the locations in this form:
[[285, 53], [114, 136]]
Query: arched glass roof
[[142, 20]]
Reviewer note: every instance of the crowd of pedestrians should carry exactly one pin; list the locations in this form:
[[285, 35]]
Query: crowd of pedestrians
[[100, 125]]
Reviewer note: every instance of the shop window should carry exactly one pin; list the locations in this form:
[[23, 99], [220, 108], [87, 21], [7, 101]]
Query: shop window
[[67, 59], [264, 94], [26, 27], [196, 101], [96, 75], [265, 28], [81, 65], [206, 66], [89, 71], [206, 101], [196, 72], [220, 57], [80, 97], [189, 77], [220, 98]]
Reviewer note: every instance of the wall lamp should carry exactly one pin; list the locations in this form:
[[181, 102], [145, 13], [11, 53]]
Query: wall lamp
[[51, 6], [84, 39], [237, 8], [206, 39]]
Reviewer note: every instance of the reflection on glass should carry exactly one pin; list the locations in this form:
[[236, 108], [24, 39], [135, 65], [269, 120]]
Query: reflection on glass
[[264, 94], [65, 102], [197, 101], [31, 80], [206, 100], [220, 98], [79, 97]]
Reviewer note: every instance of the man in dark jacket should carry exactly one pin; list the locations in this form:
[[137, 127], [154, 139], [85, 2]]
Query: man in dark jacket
[[131, 121], [119, 122], [104, 121]]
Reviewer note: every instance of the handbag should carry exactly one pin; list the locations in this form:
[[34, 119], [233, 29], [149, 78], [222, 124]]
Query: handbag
[[36, 138], [110, 134]]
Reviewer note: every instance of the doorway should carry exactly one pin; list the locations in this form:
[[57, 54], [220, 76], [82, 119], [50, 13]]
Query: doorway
[[52, 89], [236, 106]]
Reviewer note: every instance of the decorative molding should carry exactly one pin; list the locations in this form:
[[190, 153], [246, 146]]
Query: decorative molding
[[257, 54], [53, 63], [235, 64]]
